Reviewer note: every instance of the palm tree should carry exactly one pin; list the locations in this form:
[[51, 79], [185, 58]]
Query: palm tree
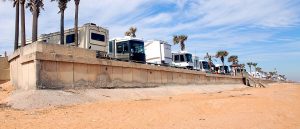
[[62, 4], [35, 8], [250, 65], [258, 69], [131, 32], [242, 66], [23, 32], [16, 5], [209, 60], [76, 22], [234, 60], [127, 33], [180, 39], [254, 65], [222, 54]]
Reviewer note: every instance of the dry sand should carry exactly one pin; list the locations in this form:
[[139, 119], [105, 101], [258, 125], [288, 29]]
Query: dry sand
[[274, 107]]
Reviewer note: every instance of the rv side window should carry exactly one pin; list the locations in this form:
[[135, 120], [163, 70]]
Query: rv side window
[[176, 57], [70, 38], [122, 47], [181, 58], [119, 47], [97, 37], [110, 46], [125, 44]]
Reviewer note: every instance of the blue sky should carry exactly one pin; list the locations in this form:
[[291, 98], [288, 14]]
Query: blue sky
[[262, 31]]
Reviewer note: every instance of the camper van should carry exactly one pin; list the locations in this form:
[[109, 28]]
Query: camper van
[[158, 52], [90, 36], [127, 49], [182, 59]]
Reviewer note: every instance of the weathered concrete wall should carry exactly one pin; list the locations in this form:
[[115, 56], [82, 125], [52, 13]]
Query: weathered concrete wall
[[4, 70], [51, 66]]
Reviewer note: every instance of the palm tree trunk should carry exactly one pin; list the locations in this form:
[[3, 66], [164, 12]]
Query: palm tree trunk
[[62, 34], [76, 25], [34, 26], [17, 27], [23, 33]]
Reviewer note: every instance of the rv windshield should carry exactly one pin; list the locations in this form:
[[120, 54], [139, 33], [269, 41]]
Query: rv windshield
[[205, 65], [188, 57], [136, 46]]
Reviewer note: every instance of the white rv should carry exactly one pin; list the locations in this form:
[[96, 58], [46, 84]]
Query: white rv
[[200, 65], [183, 59], [127, 49], [158, 52], [219, 69], [90, 36]]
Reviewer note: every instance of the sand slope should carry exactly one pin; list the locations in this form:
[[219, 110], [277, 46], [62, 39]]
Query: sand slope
[[275, 107]]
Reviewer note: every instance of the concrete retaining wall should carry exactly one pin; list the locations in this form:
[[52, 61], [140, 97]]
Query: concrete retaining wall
[[51, 66], [4, 70]]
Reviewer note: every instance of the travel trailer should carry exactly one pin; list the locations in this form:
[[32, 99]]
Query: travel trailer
[[182, 59], [127, 49], [219, 69], [158, 52], [90, 36]]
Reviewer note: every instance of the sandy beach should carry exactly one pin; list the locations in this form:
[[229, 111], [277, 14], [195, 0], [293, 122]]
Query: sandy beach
[[274, 107]]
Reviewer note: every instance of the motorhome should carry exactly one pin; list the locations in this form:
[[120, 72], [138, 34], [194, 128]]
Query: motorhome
[[127, 49], [196, 63], [182, 59], [200, 65], [158, 52], [90, 36], [220, 70]]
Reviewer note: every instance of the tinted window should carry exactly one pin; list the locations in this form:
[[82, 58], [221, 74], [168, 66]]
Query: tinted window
[[188, 57], [181, 58], [70, 38], [176, 58], [205, 65], [97, 37], [119, 47], [122, 47], [136, 46], [110, 46]]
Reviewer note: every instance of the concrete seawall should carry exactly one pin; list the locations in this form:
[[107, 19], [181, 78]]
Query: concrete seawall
[[4, 70], [51, 66]]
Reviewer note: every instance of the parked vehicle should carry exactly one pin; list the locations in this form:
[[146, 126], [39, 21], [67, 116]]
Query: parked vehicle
[[158, 52], [127, 48], [200, 65], [90, 36], [183, 59], [220, 70]]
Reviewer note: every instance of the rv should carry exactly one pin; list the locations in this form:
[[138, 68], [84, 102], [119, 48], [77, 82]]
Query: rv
[[200, 65], [196, 63], [182, 59], [158, 52], [204, 66], [219, 69], [127, 49], [90, 36]]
